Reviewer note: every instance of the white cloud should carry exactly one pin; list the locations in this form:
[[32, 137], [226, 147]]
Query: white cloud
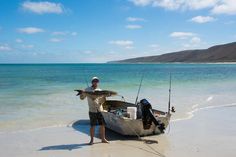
[[167, 4], [30, 30], [142, 2], [42, 7], [55, 40], [195, 40], [5, 47], [60, 33], [225, 7], [186, 46], [199, 4], [190, 39], [74, 33], [57, 33], [177, 4], [19, 40], [112, 52], [154, 46], [202, 19], [133, 26], [216, 6], [128, 44], [182, 35], [134, 19], [87, 52], [27, 46]]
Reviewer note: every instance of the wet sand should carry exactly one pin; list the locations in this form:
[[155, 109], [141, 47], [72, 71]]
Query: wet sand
[[211, 133]]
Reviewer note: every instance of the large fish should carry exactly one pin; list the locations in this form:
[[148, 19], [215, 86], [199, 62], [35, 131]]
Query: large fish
[[97, 92]]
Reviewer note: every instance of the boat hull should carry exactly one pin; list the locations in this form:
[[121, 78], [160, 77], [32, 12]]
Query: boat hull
[[132, 127]]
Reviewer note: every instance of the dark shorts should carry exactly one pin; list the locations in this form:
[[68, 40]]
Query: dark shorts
[[96, 118]]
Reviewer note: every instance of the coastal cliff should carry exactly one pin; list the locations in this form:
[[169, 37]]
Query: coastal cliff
[[218, 53]]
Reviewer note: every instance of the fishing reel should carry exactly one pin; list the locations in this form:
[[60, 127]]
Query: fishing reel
[[172, 109]]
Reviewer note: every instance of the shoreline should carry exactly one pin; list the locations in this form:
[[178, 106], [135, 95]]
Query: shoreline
[[190, 114]]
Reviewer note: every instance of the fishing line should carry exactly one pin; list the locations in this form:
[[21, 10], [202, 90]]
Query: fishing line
[[169, 93], [146, 142], [141, 81], [168, 129], [159, 154], [170, 85], [143, 149], [85, 78]]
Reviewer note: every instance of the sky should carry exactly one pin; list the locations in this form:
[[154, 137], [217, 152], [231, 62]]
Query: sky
[[88, 31]]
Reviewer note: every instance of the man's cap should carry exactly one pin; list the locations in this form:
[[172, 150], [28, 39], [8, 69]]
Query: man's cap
[[95, 79]]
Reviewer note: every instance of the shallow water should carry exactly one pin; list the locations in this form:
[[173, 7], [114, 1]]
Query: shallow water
[[41, 95]]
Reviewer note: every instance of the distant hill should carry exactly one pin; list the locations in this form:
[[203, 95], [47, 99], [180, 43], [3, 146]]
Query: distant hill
[[218, 53]]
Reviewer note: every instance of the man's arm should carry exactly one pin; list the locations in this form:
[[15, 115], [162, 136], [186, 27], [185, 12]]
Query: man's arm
[[81, 94]]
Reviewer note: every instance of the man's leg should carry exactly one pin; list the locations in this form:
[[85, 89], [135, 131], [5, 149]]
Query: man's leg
[[92, 128], [102, 134], [92, 117]]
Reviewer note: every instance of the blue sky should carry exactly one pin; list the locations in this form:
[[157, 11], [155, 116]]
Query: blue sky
[[73, 31]]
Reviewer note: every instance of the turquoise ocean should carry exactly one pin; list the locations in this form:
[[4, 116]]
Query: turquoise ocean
[[34, 96]]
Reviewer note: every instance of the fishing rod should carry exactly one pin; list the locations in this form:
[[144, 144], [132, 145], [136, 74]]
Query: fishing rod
[[86, 81], [139, 89], [169, 94], [85, 78]]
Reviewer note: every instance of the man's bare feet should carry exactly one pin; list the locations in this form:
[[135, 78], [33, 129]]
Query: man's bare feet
[[105, 141], [91, 142]]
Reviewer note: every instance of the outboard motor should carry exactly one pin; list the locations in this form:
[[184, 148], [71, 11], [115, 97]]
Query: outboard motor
[[148, 117]]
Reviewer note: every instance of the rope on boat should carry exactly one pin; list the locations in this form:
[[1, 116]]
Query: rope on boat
[[158, 154], [168, 129]]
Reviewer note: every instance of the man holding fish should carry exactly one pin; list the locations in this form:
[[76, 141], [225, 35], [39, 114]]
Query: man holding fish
[[95, 99]]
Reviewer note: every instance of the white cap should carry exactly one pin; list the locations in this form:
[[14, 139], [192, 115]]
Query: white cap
[[95, 78]]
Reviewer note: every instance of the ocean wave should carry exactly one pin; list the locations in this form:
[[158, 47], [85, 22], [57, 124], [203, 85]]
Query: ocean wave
[[209, 98], [195, 106], [35, 129], [191, 113]]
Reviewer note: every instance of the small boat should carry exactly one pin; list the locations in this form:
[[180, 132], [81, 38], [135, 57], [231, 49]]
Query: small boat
[[133, 119], [117, 119]]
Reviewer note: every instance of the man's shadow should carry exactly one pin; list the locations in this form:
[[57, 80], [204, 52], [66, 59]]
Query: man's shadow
[[68, 147], [83, 127]]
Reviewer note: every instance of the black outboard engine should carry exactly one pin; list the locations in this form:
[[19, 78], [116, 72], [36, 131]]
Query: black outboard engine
[[148, 117]]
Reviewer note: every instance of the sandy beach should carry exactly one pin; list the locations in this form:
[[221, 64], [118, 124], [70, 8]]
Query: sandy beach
[[211, 132]]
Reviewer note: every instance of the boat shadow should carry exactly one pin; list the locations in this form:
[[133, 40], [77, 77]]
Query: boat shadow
[[83, 126]]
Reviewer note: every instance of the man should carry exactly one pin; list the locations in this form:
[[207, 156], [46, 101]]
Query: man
[[95, 107]]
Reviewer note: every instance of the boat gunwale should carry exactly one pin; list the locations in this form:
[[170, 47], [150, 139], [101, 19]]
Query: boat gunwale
[[132, 104]]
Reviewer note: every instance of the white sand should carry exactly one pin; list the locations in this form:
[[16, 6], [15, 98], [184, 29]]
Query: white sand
[[211, 133]]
